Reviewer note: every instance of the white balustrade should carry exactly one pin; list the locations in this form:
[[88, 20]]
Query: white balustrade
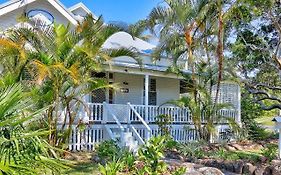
[[122, 111], [96, 112], [178, 115]]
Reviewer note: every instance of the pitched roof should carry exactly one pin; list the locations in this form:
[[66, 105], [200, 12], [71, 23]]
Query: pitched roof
[[14, 4], [123, 39]]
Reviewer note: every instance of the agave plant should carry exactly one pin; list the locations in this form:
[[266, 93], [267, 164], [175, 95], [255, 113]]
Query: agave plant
[[22, 151]]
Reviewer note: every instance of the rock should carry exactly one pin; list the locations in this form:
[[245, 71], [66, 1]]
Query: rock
[[238, 166], [263, 159], [210, 171], [212, 163], [268, 171], [276, 169], [276, 162], [193, 173], [237, 147], [248, 168], [229, 148], [227, 165], [259, 170]]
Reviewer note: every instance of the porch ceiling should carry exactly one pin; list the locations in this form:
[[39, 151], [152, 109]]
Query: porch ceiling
[[132, 68]]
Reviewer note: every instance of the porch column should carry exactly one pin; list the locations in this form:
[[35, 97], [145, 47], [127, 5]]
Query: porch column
[[146, 89]]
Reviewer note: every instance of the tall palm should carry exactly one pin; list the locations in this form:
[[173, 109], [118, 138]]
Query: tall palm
[[177, 24], [22, 150]]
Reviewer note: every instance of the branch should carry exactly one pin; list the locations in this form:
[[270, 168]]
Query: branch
[[268, 86], [268, 108]]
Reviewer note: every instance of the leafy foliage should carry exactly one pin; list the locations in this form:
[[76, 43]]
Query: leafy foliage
[[107, 150], [193, 150], [23, 151], [150, 154], [270, 151]]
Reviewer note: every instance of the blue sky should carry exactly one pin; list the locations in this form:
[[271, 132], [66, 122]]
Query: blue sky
[[129, 11]]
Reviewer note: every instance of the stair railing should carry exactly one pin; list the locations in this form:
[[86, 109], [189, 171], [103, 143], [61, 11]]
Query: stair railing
[[148, 135], [122, 129]]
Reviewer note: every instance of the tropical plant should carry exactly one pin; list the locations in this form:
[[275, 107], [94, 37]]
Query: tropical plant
[[58, 63], [193, 150], [107, 150], [111, 168], [205, 113], [23, 151], [270, 151], [164, 123], [151, 154]]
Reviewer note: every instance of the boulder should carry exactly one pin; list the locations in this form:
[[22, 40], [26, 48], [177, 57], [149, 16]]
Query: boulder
[[276, 169], [193, 173], [248, 168], [268, 171], [238, 166], [259, 170], [210, 171], [276, 162], [227, 165]]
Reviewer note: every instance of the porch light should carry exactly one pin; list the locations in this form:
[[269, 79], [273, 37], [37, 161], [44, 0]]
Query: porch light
[[277, 121]]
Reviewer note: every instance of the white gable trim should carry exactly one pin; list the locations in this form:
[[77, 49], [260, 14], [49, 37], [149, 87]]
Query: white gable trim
[[13, 5], [80, 5], [60, 7]]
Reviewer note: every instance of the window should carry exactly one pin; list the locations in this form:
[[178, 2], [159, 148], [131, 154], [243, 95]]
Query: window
[[152, 93], [99, 95]]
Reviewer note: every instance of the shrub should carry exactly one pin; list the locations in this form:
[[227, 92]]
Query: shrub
[[128, 160], [257, 132], [150, 155], [107, 150], [179, 171], [193, 150], [111, 168], [270, 151], [164, 123]]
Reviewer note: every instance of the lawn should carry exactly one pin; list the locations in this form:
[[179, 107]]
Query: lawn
[[266, 121]]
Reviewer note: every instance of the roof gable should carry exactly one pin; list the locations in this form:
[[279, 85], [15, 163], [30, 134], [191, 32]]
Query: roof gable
[[13, 5]]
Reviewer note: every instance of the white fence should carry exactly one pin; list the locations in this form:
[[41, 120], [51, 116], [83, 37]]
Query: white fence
[[93, 134], [141, 120]]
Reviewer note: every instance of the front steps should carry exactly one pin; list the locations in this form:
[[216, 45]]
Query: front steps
[[124, 138]]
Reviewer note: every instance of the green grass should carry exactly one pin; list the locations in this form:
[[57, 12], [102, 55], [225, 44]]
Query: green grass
[[86, 168], [265, 121]]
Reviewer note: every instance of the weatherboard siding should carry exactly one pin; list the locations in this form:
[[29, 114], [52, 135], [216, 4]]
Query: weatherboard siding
[[166, 88]]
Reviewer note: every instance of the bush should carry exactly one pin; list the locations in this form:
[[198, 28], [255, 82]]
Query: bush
[[193, 150], [128, 160], [111, 168], [270, 151], [107, 150], [151, 154], [256, 132]]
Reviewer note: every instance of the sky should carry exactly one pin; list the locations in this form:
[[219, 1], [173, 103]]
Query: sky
[[129, 11]]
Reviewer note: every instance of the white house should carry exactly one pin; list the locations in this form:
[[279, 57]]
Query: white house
[[128, 112]]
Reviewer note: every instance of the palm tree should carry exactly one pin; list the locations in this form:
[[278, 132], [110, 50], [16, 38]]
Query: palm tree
[[205, 115], [22, 150], [59, 63], [178, 24]]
